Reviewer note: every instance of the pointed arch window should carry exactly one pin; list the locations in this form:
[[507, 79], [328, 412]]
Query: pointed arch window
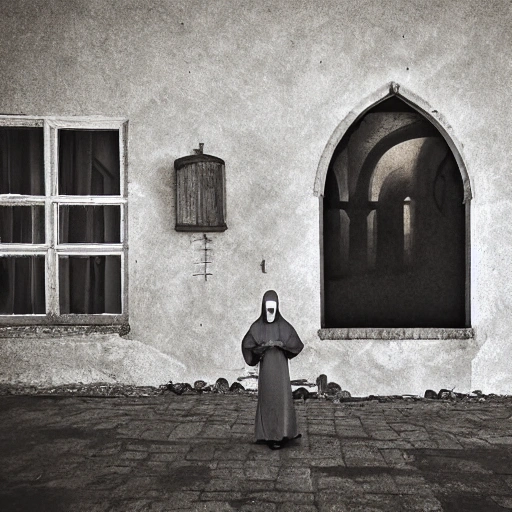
[[396, 184]]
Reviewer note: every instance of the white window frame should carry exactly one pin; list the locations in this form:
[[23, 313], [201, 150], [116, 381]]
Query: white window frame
[[52, 249]]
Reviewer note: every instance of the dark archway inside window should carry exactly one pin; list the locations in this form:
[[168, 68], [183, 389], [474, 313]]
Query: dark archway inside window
[[394, 226]]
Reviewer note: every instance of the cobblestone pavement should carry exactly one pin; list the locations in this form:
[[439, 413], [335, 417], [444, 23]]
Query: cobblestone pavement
[[196, 453]]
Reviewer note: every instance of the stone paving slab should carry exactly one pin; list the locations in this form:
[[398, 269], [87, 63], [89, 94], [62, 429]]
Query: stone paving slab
[[196, 453]]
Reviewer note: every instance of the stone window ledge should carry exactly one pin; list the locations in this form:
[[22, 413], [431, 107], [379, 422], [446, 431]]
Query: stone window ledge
[[61, 331], [408, 333]]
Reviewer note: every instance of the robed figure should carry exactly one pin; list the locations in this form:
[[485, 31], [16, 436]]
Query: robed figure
[[271, 341]]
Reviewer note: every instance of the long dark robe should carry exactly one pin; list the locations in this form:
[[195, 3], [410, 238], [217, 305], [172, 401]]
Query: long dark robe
[[275, 414]]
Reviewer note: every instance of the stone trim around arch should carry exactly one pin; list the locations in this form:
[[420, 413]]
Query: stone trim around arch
[[385, 92]]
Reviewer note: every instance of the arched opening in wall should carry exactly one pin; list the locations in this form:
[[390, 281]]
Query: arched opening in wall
[[394, 225]]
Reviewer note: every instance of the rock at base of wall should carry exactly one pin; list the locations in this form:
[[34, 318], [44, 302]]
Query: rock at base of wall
[[199, 385], [300, 394], [221, 385], [332, 388], [236, 387], [321, 383]]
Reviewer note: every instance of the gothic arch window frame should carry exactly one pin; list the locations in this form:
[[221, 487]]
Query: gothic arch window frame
[[390, 90]]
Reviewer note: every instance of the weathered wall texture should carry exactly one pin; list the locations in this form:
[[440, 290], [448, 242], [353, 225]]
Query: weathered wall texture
[[264, 85]]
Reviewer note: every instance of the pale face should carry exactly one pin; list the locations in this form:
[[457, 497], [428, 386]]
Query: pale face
[[271, 310]]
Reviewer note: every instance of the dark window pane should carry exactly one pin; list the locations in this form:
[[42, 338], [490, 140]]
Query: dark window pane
[[22, 224], [89, 162], [21, 161], [90, 284], [89, 224], [22, 285]]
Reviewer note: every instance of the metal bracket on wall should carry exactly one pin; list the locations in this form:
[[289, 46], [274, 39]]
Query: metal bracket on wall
[[205, 258]]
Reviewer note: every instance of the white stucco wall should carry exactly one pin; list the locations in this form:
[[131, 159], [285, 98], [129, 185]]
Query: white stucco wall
[[264, 85]]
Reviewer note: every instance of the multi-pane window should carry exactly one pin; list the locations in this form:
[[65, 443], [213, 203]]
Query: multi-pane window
[[63, 244]]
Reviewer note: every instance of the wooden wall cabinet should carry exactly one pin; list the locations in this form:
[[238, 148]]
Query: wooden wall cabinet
[[200, 193]]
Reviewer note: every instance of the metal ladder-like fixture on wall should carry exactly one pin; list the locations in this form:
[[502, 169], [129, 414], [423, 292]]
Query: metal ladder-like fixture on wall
[[205, 260]]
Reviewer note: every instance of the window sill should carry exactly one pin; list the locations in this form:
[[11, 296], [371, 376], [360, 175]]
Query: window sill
[[61, 331], [396, 333]]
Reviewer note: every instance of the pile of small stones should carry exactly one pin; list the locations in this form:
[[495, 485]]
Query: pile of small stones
[[200, 386], [98, 389], [449, 394], [324, 390]]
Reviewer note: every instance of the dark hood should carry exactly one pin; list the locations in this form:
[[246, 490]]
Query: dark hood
[[270, 295], [262, 331]]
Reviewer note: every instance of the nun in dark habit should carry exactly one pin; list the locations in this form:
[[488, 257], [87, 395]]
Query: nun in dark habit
[[271, 341]]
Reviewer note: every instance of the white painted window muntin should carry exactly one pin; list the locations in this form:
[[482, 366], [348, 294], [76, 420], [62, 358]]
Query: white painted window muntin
[[51, 249]]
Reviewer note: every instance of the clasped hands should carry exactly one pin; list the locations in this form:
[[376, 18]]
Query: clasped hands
[[273, 344], [260, 349]]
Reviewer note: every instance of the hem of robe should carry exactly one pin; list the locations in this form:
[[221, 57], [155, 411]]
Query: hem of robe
[[282, 440]]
